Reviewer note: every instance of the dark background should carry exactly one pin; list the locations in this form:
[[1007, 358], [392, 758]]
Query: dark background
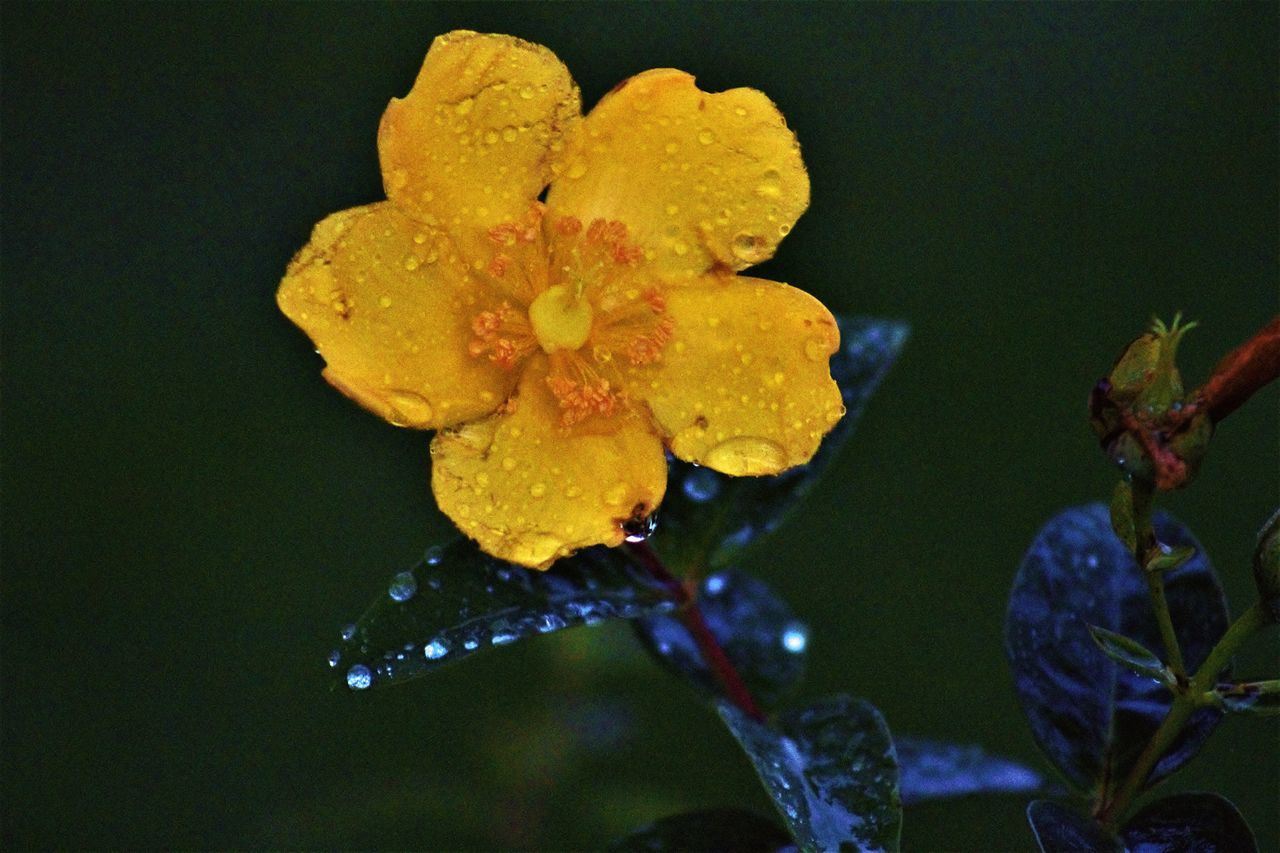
[[190, 513]]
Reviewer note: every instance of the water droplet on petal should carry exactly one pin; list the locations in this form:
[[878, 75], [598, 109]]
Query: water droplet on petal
[[403, 586], [576, 169], [435, 649], [359, 677], [408, 409], [465, 106], [537, 490], [411, 263], [508, 464], [384, 301], [706, 137], [749, 248], [816, 350], [746, 456]]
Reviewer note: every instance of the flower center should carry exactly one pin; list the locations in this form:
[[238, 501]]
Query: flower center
[[561, 318]]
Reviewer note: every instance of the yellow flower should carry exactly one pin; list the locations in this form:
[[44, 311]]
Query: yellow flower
[[558, 346]]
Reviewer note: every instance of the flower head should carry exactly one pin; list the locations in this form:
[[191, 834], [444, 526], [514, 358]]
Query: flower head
[[560, 347]]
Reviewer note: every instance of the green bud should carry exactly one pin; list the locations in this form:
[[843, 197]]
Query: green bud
[[1266, 565]]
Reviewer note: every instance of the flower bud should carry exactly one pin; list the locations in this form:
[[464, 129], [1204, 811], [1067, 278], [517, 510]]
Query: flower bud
[[1145, 421], [1266, 565]]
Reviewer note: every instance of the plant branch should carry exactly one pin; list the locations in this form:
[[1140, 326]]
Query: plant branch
[[1242, 372], [691, 615], [1184, 704]]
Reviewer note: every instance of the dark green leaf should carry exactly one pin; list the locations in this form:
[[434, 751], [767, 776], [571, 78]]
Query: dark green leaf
[[1257, 698], [758, 632], [711, 829], [1060, 830], [1189, 823], [831, 771], [708, 519], [1131, 654], [936, 770], [1091, 717], [458, 601]]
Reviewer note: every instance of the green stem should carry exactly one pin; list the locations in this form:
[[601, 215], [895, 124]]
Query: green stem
[[1184, 704], [1155, 583], [1145, 546]]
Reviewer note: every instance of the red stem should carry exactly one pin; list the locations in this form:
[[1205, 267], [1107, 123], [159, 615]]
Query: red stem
[[691, 616], [1243, 371]]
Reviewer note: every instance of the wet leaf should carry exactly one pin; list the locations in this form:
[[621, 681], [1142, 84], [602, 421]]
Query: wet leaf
[[1060, 830], [1087, 713], [831, 771], [936, 770], [709, 519], [1256, 698], [710, 829], [458, 601], [1189, 823], [757, 630], [1132, 654]]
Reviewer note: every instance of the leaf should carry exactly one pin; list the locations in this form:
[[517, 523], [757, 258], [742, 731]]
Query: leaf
[[1203, 823], [1256, 698], [710, 829], [1164, 558], [756, 629], [458, 601], [1089, 715], [1060, 830], [831, 771], [936, 770], [1131, 654], [709, 519]]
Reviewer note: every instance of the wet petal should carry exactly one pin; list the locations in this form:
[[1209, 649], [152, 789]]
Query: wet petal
[[530, 491], [744, 386], [699, 179], [472, 144], [389, 306]]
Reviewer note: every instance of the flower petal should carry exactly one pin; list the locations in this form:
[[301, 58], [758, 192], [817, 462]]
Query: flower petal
[[529, 491], [389, 305], [700, 180], [744, 386], [471, 145]]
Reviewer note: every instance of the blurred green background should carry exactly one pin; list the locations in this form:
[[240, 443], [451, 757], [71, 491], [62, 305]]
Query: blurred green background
[[190, 513]]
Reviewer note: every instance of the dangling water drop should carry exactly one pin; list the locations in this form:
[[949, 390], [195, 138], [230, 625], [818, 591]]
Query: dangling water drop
[[433, 556], [335, 657], [640, 529], [348, 631]]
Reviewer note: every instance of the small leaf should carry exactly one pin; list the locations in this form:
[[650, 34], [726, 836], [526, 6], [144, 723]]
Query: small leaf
[[458, 601], [1091, 717], [831, 771], [1256, 698], [936, 770], [1189, 822], [709, 519], [711, 829], [1131, 654], [1165, 558], [756, 629], [1060, 830]]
